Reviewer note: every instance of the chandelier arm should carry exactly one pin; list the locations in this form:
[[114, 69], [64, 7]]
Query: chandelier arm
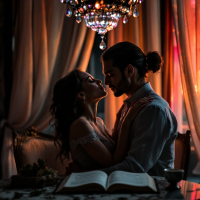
[[102, 15]]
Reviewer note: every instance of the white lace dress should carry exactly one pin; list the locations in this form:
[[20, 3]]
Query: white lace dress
[[81, 156]]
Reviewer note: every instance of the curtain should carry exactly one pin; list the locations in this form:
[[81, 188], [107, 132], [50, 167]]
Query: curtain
[[167, 78], [186, 15], [143, 31], [177, 94], [48, 45], [171, 81]]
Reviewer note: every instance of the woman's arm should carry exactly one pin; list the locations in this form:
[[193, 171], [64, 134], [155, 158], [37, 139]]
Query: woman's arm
[[97, 150], [83, 131]]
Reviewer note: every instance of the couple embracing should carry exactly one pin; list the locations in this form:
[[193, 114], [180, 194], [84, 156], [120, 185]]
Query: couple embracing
[[142, 139]]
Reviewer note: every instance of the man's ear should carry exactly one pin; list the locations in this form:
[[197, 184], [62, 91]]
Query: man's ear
[[129, 70]]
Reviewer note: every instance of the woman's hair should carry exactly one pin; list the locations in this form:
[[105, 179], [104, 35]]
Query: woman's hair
[[65, 108], [125, 53]]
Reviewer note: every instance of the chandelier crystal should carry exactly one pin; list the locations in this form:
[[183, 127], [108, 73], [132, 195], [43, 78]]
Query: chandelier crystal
[[101, 15]]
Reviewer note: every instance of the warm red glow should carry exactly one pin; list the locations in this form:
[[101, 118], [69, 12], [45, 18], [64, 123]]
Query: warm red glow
[[198, 191], [193, 195], [193, 3], [176, 96], [97, 5], [198, 82], [196, 88]]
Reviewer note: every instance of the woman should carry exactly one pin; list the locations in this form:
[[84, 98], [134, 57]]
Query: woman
[[78, 131]]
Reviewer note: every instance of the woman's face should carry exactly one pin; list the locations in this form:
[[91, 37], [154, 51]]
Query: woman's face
[[92, 88]]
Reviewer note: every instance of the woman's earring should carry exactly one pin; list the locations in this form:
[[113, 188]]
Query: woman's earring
[[83, 99]]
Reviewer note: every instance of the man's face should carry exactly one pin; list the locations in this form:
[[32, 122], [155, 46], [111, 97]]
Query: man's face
[[114, 78]]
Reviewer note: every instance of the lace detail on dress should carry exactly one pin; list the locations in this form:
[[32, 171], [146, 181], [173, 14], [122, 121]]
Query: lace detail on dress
[[81, 156], [89, 138]]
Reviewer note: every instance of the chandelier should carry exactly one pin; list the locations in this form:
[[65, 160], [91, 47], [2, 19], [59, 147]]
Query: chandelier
[[101, 15]]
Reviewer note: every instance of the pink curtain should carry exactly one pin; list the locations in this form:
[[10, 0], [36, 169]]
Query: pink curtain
[[143, 31], [177, 93], [48, 45], [171, 82], [186, 15]]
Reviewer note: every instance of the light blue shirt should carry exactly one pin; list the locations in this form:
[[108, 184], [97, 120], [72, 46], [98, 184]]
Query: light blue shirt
[[151, 138]]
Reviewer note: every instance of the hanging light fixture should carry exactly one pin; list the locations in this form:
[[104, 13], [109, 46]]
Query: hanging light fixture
[[101, 15]]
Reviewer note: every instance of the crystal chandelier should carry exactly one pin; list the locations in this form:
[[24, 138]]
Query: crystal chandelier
[[101, 15]]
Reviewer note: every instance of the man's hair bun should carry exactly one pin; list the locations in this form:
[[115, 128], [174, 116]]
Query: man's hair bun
[[154, 61]]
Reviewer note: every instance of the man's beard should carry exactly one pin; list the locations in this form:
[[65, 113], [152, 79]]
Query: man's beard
[[121, 87]]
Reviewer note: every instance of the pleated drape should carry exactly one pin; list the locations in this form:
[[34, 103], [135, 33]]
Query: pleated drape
[[186, 16], [167, 78], [171, 81], [48, 45]]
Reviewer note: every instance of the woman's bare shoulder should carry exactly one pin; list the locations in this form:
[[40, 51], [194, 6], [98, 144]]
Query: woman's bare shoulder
[[100, 121], [79, 128]]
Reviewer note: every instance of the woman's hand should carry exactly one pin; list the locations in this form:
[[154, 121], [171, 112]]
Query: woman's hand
[[136, 107]]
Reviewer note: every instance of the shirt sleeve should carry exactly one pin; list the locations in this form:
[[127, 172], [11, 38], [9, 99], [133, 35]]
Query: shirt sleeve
[[149, 133]]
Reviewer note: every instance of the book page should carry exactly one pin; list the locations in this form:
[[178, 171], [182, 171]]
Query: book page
[[78, 179], [152, 183], [128, 178]]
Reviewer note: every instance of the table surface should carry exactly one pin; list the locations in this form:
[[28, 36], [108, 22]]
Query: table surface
[[188, 191]]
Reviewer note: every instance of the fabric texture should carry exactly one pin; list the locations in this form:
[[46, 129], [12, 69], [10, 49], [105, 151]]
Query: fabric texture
[[33, 149], [89, 138], [81, 156], [171, 80], [152, 137], [186, 16], [143, 31], [48, 45], [167, 75]]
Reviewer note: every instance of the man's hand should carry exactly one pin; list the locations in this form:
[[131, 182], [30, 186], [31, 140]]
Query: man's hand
[[72, 167]]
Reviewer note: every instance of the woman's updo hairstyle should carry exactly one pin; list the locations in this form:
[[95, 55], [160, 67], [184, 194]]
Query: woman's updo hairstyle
[[125, 53], [65, 108]]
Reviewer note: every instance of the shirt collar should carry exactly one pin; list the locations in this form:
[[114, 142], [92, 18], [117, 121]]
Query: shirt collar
[[141, 92]]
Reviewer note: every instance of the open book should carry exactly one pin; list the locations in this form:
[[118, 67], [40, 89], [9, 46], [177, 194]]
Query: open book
[[100, 182]]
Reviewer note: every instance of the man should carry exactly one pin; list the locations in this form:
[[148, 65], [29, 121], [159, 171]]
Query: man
[[154, 130]]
